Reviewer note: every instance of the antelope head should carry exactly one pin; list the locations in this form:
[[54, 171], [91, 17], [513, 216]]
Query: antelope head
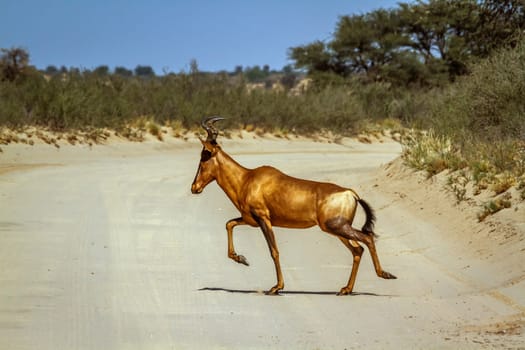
[[207, 170]]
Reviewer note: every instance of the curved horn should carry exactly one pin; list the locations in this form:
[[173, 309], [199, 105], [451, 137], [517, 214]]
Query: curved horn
[[207, 124]]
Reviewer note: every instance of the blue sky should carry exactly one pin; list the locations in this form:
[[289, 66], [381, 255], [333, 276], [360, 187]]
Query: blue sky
[[168, 34]]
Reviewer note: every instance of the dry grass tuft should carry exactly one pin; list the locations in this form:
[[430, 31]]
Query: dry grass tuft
[[503, 182], [430, 152], [493, 206]]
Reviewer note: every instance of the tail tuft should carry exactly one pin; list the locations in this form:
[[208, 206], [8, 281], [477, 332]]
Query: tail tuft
[[368, 227]]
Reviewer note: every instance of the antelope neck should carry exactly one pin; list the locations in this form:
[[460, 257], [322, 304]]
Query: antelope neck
[[230, 176]]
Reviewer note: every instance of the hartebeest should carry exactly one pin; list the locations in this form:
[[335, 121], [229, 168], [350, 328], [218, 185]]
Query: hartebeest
[[266, 197]]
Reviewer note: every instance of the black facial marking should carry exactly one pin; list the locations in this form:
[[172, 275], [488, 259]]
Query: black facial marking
[[205, 155]]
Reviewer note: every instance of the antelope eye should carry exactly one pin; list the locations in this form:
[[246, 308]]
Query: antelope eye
[[205, 155]]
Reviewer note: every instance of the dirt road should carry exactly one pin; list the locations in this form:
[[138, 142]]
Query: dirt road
[[107, 249]]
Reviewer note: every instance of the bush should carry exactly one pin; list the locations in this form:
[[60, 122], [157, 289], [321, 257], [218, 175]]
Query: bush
[[77, 100], [488, 104], [481, 117]]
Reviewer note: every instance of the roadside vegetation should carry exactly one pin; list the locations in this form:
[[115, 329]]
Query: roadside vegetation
[[476, 131], [447, 76]]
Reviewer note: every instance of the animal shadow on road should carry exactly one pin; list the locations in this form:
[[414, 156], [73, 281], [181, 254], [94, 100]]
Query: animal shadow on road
[[285, 292]]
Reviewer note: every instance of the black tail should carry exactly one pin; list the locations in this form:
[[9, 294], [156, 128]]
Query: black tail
[[368, 227]]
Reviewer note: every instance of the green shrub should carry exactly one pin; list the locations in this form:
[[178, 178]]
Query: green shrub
[[486, 105], [481, 117]]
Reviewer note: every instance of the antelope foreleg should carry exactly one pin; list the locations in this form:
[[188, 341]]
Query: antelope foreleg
[[231, 250], [267, 230]]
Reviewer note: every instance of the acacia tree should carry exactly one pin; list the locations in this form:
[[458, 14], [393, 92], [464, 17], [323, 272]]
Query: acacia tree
[[313, 57], [500, 22], [256, 74], [51, 70], [123, 71], [102, 70], [144, 71], [371, 46], [439, 31], [424, 42], [372, 43], [14, 62]]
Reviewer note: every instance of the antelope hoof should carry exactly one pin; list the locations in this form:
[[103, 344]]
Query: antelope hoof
[[239, 258], [388, 276], [274, 291], [242, 260], [344, 291]]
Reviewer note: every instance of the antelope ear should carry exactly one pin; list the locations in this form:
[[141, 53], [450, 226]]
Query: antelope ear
[[201, 140]]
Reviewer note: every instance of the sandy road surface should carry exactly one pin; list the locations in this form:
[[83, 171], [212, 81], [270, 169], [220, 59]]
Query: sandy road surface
[[107, 249]]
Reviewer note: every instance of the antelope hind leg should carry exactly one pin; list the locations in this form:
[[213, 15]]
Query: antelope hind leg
[[344, 230], [368, 240], [357, 252], [375, 259]]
